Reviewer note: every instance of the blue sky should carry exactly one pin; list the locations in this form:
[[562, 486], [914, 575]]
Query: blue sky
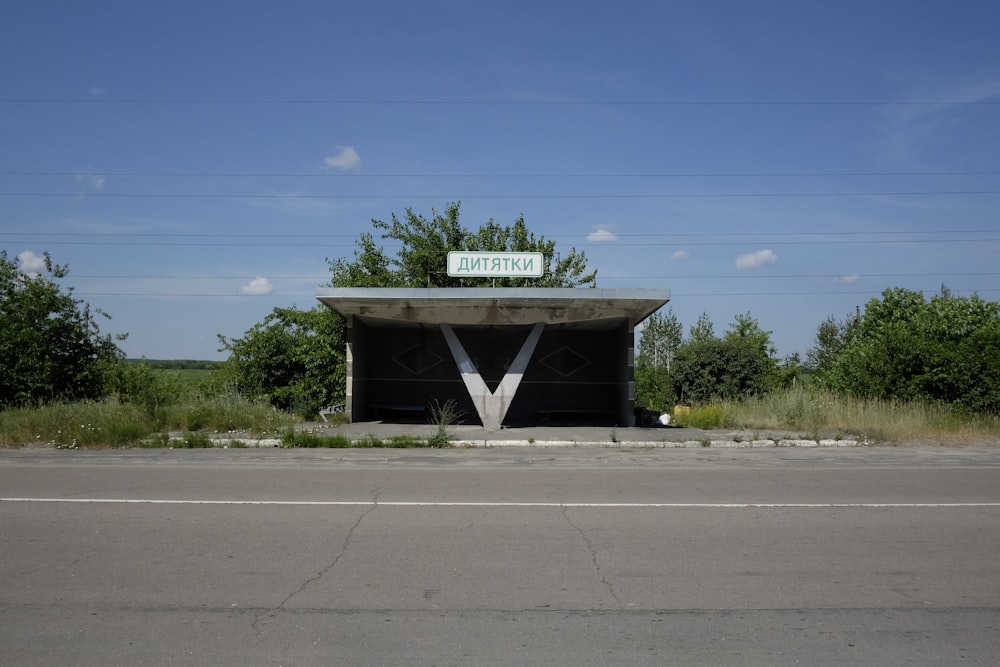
[[195, 162]]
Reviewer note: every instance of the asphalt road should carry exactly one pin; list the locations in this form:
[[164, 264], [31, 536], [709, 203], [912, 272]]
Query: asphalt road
[[581, 556]]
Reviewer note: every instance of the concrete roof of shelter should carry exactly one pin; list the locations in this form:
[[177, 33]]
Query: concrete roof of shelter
[[494, 306]]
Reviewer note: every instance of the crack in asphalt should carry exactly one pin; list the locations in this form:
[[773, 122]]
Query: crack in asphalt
[[593, 558], [47, 566], [319, 575]]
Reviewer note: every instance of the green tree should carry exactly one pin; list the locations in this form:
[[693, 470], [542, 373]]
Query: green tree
[[51, 347], [294, 359], [746, 329], [719, 369], [832, 337], [946, 349], [736, 366], [703, 329], [421, 260], [789, 371], [662, 335]]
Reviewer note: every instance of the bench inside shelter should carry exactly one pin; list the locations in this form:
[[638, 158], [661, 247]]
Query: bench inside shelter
[[399, 412]]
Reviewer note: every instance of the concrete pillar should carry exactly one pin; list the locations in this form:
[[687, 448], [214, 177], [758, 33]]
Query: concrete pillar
[[492, 406], [625, 344]]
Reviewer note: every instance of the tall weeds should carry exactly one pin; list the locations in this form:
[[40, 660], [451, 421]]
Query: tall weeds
[[113, 423], [818, 412]]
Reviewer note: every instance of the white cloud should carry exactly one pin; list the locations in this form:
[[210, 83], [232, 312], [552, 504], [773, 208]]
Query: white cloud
[[345, 158], [679, 254], [849, 280], [755, 260], [602, 235], [257, 286], [31, 263], [95, 181], [95, 91]]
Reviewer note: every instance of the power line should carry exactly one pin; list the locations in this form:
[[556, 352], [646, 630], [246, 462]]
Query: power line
[[674, 295], [343, 175], [314, 244], [671, 236], [474, 102], [457, 197]]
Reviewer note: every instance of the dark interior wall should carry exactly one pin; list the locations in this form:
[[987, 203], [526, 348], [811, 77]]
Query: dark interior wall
[[571, 378], [409, 368], [575, 373]]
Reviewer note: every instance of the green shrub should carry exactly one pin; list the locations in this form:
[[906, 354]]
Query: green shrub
[[228, 412], [444, 415], [51, 348], [907, 348], [293, 359], [138, 383], [708, 417]]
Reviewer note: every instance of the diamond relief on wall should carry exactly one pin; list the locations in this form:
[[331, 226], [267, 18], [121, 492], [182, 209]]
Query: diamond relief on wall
[[565, 361], [417, 359]]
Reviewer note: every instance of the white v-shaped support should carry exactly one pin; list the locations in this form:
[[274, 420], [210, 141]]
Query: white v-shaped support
[[492, 406]]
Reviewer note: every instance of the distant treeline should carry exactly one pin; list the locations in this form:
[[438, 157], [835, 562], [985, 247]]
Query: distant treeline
[[179, 364]]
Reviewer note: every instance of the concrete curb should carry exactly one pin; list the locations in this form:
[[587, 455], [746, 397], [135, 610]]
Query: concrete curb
[[646, 444], [638, 444]]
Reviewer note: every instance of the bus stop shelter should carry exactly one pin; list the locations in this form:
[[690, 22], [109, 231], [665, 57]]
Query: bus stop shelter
[[502, 356]]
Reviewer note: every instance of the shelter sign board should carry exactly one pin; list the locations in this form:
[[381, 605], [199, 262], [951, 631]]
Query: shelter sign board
[[463, 264]]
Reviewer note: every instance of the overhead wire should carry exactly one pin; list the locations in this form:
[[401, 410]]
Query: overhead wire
[[306, 101], [362, 175], [674, 294], [519, 196]]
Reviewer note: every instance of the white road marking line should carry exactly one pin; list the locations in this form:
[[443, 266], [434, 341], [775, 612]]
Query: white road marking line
[[430, 503]]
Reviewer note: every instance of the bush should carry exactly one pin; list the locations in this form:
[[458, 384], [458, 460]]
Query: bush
[[137, 383], [222, 414], [714, 368], [293, 359], [51, 347], [904, 347], [703, 416]]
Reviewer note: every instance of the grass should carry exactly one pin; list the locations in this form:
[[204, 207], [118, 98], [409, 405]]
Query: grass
[[110, 423], [307, 439], [821, 413], [802, 410], [818, 413]]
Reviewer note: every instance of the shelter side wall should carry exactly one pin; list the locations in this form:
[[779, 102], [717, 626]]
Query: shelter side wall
[[625, 391], [357, 369]]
